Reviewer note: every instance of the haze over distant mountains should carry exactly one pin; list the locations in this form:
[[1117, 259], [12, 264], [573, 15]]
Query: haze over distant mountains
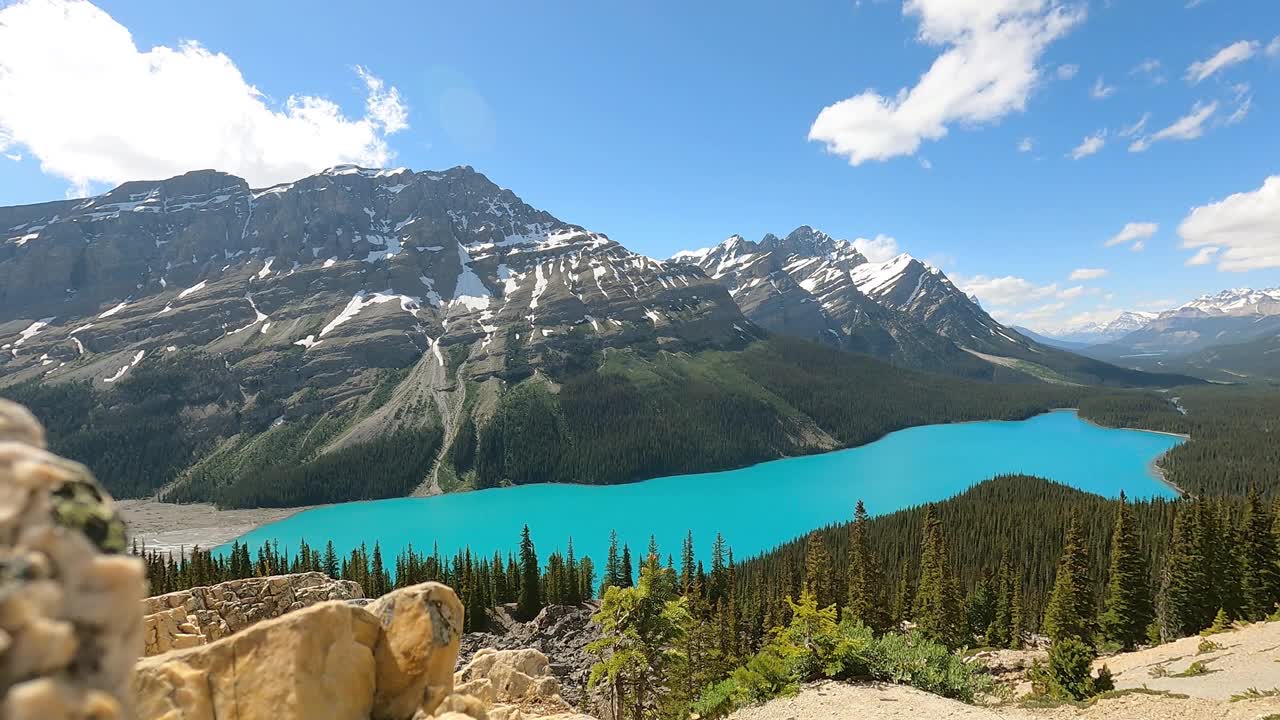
[[1229, 335]]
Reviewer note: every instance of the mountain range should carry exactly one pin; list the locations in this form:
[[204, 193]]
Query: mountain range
[[1225, 336], [202, 333]]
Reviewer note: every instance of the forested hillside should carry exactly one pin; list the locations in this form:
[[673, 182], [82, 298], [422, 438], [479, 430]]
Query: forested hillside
[[1234, 443]]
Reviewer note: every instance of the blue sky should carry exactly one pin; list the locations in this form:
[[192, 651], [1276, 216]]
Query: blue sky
[[674, 125]]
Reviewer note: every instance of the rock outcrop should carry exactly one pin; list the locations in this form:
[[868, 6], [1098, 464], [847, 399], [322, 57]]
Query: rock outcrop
[[560, 632], [69, 622], [508, 685], [386, 661], [201, 615]]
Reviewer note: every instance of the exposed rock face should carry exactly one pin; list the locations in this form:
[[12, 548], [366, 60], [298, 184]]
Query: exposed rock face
[[508, 685], [813, 286], [560, 632], [299, 300], [69, 621], [204, 614], [330, 660]]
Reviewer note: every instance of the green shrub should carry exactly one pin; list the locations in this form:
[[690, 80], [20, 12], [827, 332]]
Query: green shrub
[[717, 701], [914, 660], [1207, 646], [1068, 674]]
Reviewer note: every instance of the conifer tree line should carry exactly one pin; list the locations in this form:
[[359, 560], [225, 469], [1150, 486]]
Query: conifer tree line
[[481, 582]]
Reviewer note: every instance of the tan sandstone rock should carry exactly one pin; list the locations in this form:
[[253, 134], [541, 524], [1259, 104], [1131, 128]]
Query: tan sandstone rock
[[317, 662], [203, 614], [421, 631], [69, 624]]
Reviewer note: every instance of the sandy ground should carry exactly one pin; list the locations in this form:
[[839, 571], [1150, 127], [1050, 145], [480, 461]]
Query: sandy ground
[[167, 526], [1249, 658], [879, 701]]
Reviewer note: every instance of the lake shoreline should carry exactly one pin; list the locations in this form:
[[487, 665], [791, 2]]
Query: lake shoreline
[[174, 527], [178, 527]]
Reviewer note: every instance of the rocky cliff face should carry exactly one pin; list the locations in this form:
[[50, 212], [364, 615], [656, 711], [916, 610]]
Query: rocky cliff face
[[242, 310], [201, 615], [330, 277], [816, 287]]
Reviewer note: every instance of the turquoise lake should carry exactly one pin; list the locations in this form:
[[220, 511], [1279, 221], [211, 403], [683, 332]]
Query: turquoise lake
[[755, 507]]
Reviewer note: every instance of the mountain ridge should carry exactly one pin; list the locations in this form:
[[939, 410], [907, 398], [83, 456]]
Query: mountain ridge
[[433, 329]]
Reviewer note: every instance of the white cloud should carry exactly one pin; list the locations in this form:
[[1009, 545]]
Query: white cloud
[[1066, 72], [1072, 292], [878, 249], [1134, 232], [987, 69], [1087, 273], [1135, 128], [1101, 90], [1230, 55], [1246, 226], [1204, 255], [79, 95], [1152, 68], [1026, 145], [1004, 291], [1273, 47], [1244, 99], [1187, 127], [1037, 316], [1138, 245], [924, 163], [1089, 145]]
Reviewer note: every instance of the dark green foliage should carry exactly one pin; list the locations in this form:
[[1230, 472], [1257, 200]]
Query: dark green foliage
[[1128, 599], [1028, 516], [522, 442], [529, 603], [135, 437], [936, 611], [1071, 611], [720, 410], [865, 581], [390, 466], [1183, 582], [462, 453], [1233, 444], [1261, 574], [1068, 675]]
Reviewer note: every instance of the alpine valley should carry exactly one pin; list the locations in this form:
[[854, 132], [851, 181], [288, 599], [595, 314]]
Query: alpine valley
[[204, 340]]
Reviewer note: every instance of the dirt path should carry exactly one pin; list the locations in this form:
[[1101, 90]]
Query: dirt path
[[169, 526]]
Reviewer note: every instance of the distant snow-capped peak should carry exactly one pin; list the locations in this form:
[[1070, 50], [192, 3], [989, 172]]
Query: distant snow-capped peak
[[1236, 301]]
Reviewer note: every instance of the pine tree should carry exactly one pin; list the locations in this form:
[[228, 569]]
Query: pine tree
[[626, 578], [980, 607], [865, 581], [1261, 586], [1071, 610], [612, 565], [817, 570], [1128, 601], [1000, 632], [904, 598], [1017, 624], [936, 611], [1182, 583], [530, 601], [686, 564]]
